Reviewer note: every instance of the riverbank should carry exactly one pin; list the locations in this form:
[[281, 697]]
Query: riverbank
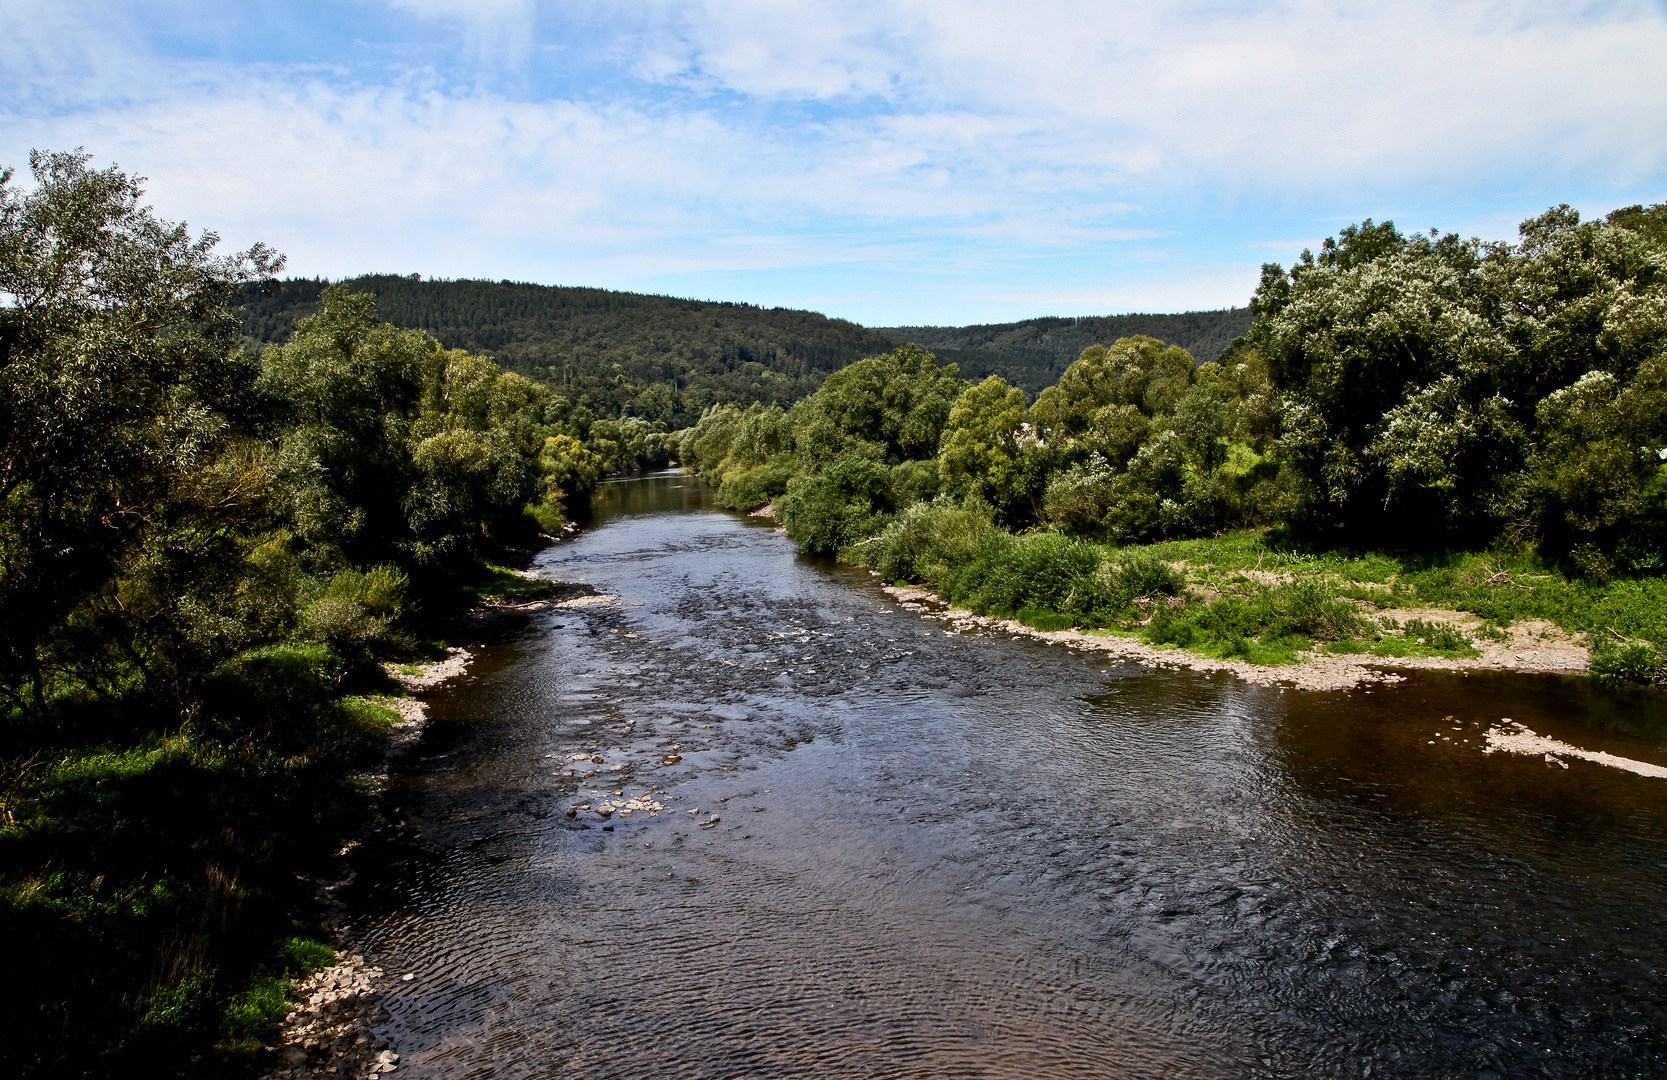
[[329, 1033], [1247, 603], [1531, 647]]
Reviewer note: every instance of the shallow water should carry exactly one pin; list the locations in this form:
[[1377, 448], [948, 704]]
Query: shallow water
[[946, 855]]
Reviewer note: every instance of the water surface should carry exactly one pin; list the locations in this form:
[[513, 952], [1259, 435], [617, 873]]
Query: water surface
[[945, 855]]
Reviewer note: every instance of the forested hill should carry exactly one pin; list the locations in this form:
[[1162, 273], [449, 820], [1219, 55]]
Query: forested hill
[[1032, 354], [656, 357], [666, 359]]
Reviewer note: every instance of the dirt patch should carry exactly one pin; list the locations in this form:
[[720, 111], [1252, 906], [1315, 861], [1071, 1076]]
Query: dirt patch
[[1529, 645]]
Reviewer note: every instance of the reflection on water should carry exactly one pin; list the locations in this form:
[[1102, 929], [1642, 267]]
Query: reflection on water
[[970, 856]]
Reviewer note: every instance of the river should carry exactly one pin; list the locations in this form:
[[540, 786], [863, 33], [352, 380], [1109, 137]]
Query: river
[[968, 855]]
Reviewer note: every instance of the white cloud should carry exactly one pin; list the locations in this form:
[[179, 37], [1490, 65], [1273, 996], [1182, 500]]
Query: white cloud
[[1305, 92], [950, 139], [495, 31]]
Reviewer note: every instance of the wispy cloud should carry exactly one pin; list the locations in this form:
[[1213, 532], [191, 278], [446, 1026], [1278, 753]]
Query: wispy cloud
[[934, 149]]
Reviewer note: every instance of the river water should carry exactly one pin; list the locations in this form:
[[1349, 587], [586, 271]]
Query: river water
[[968, 855]]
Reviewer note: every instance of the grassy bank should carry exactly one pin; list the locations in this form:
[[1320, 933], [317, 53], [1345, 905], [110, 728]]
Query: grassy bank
[[1247, 595], [1623, 620], [158, 892]]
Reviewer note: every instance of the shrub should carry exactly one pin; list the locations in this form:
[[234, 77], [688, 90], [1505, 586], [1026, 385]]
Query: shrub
[[1314, 610], [1266, 627], [915, 482], [1436, 635], [928, 542], [836, 507], [1046, 570], [546, 516], [281, 700], [1144, 575], [1077, 498], [744, 489], [1628, 661], [357, 610]]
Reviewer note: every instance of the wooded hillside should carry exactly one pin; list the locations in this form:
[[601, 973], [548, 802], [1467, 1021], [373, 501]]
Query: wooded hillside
[[1034, 353], [654, 357], [665, 359]]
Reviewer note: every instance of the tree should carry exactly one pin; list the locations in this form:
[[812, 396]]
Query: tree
[[1138, 373], [122, 393], [1413, 369], [983, 444], [891, 407]]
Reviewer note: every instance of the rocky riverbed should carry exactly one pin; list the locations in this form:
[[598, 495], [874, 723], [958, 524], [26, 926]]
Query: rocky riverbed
[[331, 1031]]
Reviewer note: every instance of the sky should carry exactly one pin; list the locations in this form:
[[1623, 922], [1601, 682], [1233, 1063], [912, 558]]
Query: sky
[[893, 162]]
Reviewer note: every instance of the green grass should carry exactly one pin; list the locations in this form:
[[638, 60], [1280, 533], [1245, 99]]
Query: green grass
[[1252, 595], [253, 1015], [1632, 609], [501, 583], [141, 885], [1044, 619]]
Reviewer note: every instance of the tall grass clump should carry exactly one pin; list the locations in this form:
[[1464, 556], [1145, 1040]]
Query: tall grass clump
[[1267, 626]]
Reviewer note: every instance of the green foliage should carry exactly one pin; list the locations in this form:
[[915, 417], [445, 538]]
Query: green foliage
[[837, 507], [1436, 635], [569, 471], [114, 368], [1267, 626], [254, 1014], [928, 542], [489, 581], [1142, 575], [1044, 570], [748, 488], [746, 452], [1629, 661], [983, 449], [1421, 392], [1438, 390], [890, 408], [198, 549], [1044, 619], [664, 359]]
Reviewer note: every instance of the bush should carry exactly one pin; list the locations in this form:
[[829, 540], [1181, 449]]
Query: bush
[[281, 700], [1628, 661], [928, 542], [836, 507], [1078, 498], [915, 482], [1144, 575], [546, 516], [744, 489], [357, 610], [1268, 626], [1436, 635], [1314, 610], [1045, 571]]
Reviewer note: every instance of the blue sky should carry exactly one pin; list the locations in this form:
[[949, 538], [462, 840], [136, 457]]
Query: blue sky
[[888, 161]]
